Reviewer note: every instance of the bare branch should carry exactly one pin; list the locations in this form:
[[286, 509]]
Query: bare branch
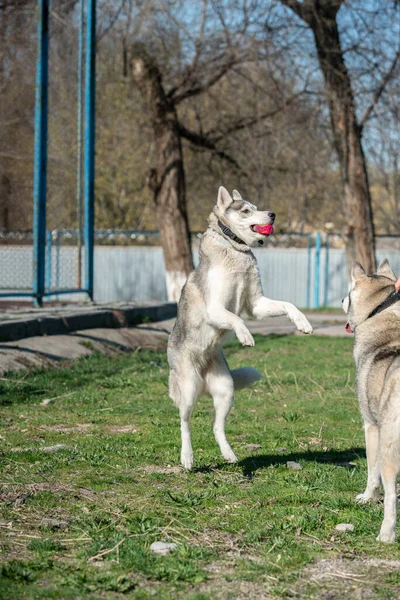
[[101, 34], [199, 86], [202, 141], [245, 123], [306, 10], [378, 93], [199, 46], [296, 7]]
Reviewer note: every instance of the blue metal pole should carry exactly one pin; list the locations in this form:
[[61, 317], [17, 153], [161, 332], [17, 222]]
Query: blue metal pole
[[48, 261], [58, 257], [309, 242], [317, 269], [326, 286], [40, 152], [79, 139], [90, 128]]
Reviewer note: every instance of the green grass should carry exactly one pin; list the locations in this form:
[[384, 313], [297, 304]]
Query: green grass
[[247, 530]]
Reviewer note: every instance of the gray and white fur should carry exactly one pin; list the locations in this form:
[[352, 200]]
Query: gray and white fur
[[225, 284], [377, 358]]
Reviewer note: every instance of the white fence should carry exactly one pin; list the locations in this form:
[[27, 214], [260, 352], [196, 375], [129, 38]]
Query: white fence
[[137, 273]]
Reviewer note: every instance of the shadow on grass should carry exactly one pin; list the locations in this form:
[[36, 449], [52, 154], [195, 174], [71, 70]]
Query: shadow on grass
[[252, 464]]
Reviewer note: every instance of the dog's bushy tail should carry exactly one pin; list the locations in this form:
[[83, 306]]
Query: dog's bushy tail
[[244, 377]]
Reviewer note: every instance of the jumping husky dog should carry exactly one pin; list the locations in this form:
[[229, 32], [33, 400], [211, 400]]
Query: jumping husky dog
[[225, 284], [373, 310]]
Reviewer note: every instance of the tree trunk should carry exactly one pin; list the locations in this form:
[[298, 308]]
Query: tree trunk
[[5, 202], [167, 178], [359, 229]]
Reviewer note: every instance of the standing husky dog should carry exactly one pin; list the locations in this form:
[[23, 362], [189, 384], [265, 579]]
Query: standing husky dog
[[225, 284], [373, 310]]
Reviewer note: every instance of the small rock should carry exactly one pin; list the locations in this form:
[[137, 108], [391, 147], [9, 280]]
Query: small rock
[[162, 548], [291, 464], [251, 447], [56, 448], [344, 527], [54, 524], [46, 402], [283, 449]]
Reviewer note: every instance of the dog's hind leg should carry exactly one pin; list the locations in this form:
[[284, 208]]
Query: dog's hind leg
[[390, 465], [219, 384], [372, 444], [185, 387]]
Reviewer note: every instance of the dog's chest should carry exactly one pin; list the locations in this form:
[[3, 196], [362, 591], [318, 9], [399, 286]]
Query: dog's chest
[[233, 282]]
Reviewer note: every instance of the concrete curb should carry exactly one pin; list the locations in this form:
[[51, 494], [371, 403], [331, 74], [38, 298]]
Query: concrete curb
[[59, 324]]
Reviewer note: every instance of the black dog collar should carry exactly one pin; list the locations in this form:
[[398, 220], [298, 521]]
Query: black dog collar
[[229, 233], [391, 299]]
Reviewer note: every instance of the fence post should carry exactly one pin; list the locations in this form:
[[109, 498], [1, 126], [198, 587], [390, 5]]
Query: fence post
[[317, 269], [79, 138], [326, 285], [58, 260], [90, 126], [40, 152], [309, 242], [48, 260]]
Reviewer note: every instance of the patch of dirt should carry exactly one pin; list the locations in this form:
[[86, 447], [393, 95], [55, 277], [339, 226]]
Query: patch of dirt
[[13, 493], [79, 427], [18, 494], [220, 566], [224, 541], [158, 469], [221, 589], [344, 579], [121, 429]]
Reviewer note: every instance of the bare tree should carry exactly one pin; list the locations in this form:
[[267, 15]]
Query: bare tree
[[212, 57], [167, 178], [242, 100], [322, 18]]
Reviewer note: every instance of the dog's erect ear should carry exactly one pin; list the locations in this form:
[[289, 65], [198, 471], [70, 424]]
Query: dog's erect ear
[[357, 271], [224, 198], [236, 195], [386, 270]]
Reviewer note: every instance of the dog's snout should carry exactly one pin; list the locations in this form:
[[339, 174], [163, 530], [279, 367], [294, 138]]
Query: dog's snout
[[271, 215]]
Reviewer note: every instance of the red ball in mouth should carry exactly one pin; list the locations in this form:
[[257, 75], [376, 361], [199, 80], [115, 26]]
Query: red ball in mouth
[[348, 328], [263, 229]]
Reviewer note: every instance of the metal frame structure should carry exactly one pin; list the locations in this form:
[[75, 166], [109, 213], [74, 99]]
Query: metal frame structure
[[41, 238], [319, 245], [40, 150], [89, 145]]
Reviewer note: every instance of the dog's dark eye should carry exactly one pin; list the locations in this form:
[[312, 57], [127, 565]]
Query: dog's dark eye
[[246, 211]]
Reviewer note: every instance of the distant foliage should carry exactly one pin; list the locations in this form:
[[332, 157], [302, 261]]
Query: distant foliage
[[266, 113]]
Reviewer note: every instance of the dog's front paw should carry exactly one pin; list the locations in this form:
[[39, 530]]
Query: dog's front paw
[[367, 497], [298, 319], [363, 498], [187, 460], [230, 456], [387, 535], [244, 336], [303, 325]]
